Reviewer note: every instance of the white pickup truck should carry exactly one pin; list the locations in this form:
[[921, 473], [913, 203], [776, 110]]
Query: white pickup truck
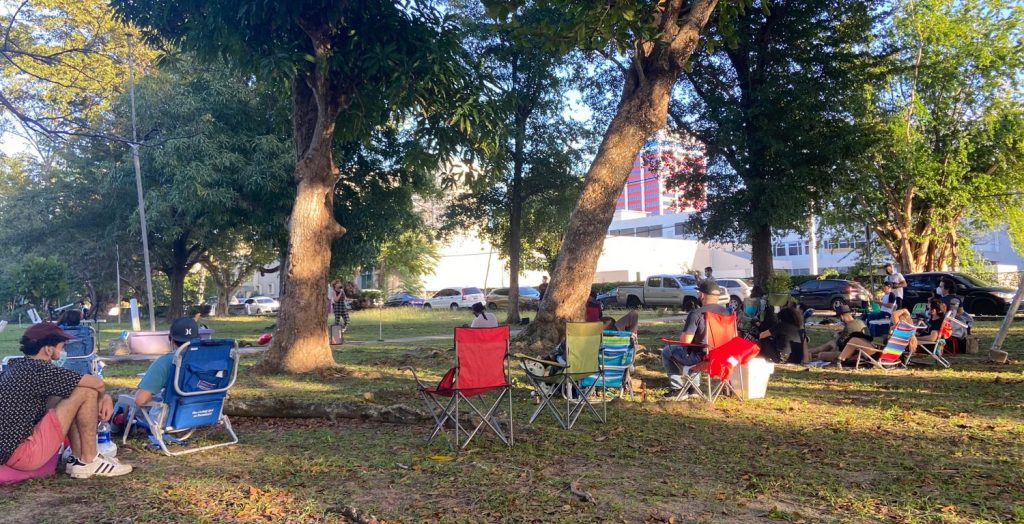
[[661, 290]]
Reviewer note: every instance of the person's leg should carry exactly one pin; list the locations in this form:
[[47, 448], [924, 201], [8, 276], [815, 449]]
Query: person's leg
[[675, 379], [344, 315], [80, 411], [815, 351], [853, 346]]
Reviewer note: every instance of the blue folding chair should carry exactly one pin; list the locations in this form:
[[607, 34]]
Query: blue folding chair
[[204, 371], [617, 353], [81, 349]]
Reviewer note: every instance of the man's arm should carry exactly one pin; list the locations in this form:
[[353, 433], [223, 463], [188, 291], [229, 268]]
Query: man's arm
[[142, 397], [92, 382]]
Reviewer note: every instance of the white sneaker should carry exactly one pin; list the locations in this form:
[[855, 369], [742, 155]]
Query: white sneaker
[[102, 467]]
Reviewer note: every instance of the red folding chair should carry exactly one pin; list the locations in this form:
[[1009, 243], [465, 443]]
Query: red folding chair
[[725, 350], [481, 368]]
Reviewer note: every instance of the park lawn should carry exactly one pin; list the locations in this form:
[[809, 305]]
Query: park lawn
[[826, 445]]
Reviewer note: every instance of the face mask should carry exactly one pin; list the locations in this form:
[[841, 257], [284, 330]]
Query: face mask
[[939, 291], [61, 360]]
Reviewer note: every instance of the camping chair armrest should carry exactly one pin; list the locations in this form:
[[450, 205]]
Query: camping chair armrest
[[685, 344], [415, 377], [522, 356]]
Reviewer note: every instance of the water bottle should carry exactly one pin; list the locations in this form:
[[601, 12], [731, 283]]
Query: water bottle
[[99, 368], [105, 446]]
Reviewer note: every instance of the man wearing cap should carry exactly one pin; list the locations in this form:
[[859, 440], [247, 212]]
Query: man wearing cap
[[896, 280], [182, 330], [852, 327], [695, 331], [41, 403]]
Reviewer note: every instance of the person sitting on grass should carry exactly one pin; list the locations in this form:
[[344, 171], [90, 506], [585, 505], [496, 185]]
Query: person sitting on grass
[[41, 403], [152, 384], [482, 319], [695, 331], [785, 337], [852, 328]]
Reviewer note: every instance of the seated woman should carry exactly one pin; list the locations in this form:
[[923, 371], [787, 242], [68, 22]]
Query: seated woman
[[936, 314], [784, 338], [855, 344]]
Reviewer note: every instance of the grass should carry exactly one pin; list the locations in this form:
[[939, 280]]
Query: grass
[[928, 445]]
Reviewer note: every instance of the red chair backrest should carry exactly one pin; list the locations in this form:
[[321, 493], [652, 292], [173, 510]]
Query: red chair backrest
[[721, 328], [480, 357]]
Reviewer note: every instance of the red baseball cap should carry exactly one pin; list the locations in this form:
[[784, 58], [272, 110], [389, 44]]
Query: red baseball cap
[[37, 332]]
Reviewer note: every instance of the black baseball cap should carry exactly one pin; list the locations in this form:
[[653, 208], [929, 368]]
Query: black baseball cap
[[709, 288], [183, 330]]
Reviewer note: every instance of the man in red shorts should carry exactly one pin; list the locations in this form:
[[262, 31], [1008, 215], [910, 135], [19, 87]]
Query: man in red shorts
[[41, 403]]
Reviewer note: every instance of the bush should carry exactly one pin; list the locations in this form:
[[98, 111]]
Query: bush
[[779, 283]]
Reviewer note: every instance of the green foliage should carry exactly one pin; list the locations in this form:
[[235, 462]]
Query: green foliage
[[63, 62], [778, 283], [948, 128], [830, 272], [409, 256], [756, 98], [534, 172], [35, 280]]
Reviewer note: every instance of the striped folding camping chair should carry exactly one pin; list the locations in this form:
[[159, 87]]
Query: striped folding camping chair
[[617, 353], [892, 355], [481, 372], [934, 348], [725, 351], [583, 360]]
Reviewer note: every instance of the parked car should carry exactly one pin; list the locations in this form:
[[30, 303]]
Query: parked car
[[403, 300], [737, 289], [831, 293], [529, 297], [663, 290], [609, 299], [262, 305], [979, 297], [455, 298]]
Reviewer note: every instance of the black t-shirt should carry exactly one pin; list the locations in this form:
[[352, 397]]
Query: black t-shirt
[[697, 326], [25, 386], [935, 325]]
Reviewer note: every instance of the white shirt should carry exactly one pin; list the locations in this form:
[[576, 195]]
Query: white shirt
[[889, 298], [484, 321], [896, 278]]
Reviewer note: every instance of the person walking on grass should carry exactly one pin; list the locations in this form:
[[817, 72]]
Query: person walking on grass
[[41, 403], [340, 308]]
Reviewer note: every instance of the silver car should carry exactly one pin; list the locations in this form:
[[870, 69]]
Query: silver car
[[737, 290]]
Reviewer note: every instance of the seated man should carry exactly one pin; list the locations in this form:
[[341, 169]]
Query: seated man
[[694, 332], [852, 328], [41, 403], [182, 330], [593, 311]]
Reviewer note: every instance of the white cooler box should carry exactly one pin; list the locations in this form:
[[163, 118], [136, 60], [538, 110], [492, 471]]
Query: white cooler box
[[750, 380]]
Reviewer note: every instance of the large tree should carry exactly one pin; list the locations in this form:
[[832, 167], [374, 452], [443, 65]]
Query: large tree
[[62, 62], [948, 120], [351, 67], [537, 161], [773, 101], [652, 41]]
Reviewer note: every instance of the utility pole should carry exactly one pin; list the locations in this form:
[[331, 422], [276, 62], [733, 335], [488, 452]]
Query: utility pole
[[813, 245], [117, 268], [138, 189]]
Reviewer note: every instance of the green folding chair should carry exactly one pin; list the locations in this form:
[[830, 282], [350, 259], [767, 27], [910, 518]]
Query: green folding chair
[[583, 359]]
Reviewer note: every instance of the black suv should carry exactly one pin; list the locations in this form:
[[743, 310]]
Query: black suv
[[979, 297], [831, 293]]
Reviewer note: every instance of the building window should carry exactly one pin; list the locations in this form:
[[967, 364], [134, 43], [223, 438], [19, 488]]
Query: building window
[[794, 248], [270, 289], [259, 289], [679, 229], [780, 250]]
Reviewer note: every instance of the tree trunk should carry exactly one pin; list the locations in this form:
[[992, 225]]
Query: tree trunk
[[761, 255], [176, 280], [642, 110], [300, 343], [515, 246]]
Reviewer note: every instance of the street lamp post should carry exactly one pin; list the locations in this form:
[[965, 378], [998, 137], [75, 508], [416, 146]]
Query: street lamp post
[[138, 189]]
